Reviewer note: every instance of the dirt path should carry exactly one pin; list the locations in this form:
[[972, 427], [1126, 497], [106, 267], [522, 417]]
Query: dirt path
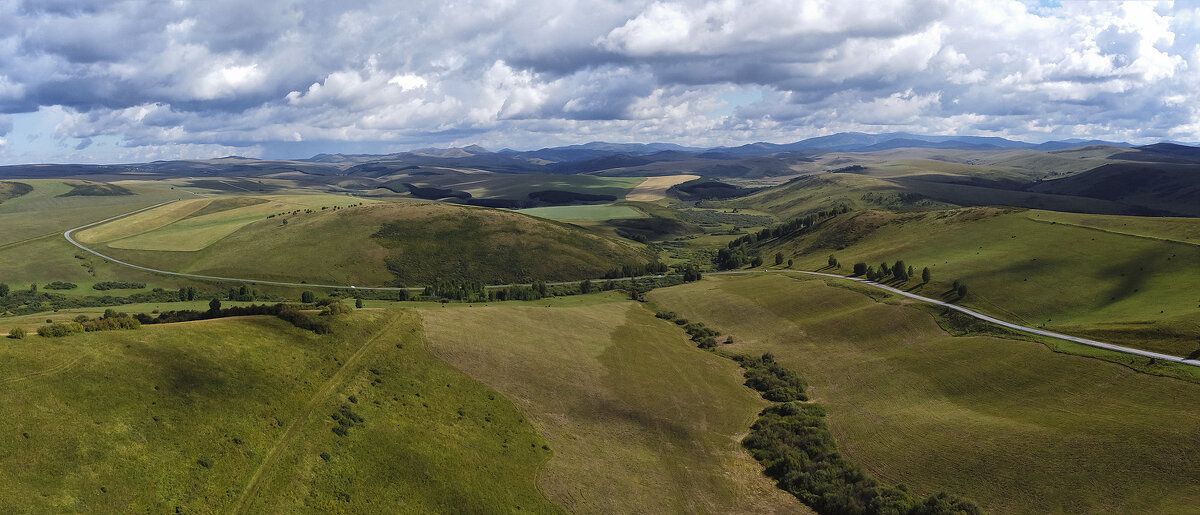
[[655, 188], [56, 369], [273, 455]]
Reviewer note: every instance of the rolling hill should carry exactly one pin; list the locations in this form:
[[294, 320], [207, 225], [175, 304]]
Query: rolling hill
[[323, 239], [1032, 267], [1010, 424]]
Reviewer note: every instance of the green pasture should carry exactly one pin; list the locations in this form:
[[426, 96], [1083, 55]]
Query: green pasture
[[235, 414], [584, 212], [519, 186], [1020, 267], [639, 419], [1008, 423]]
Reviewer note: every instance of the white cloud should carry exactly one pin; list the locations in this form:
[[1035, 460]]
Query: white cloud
[[525, 74]]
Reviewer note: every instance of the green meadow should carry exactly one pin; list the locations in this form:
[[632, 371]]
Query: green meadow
[[235, 414], [1010, 424], [1025, 267], [639, 419]]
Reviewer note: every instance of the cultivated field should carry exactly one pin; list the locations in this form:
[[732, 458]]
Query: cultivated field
[[655, 188], [1008, 423], [639, 419]]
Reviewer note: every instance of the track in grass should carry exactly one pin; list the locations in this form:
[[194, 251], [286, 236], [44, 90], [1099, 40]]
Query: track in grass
[[252, 486]]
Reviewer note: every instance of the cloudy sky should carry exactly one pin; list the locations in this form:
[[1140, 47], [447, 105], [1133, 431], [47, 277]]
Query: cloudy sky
[[122, 81]]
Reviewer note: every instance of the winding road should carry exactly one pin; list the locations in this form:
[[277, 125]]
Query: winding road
[[976, 314]]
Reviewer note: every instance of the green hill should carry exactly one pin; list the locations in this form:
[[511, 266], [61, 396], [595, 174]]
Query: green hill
[[214, 415], [1027, 267], [322, 239], [640, 420], [1009, 424]]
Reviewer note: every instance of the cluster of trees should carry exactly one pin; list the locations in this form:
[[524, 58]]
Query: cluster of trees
[[959, 288], [110, 321], [655, 268], [705, 337], [776, 383], [743, 251], [117, 285], [317, 324], [898, 271], [793, 442], [26, 302]]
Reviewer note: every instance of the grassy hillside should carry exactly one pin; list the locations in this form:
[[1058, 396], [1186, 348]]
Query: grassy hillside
[[375, 244], [45, 211], [13, 189], [825, 191], [1025, 267], [191, 417], [1010, 424], [639, 419], [1172, 189]]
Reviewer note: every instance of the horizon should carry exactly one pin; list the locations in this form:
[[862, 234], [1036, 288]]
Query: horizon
[[565, 145]]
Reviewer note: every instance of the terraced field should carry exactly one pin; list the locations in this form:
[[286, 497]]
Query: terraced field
[[978, 416]]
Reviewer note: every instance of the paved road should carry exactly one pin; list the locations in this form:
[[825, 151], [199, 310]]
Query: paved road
[[976, 314], [981, 316]]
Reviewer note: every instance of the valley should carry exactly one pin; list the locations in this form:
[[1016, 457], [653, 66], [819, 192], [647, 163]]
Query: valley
[[578, 334]]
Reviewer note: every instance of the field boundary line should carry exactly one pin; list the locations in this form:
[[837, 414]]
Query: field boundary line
[[985, 318], [331, 384]]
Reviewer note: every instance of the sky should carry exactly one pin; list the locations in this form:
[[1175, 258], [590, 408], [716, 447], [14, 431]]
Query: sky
[[131, 81]]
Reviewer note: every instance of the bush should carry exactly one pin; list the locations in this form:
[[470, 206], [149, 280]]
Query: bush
[[115, 285], [60, 329], [60, 285], [16, 333]]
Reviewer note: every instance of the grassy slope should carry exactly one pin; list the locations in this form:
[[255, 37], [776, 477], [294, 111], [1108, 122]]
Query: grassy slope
[[519, 186], [429, 240], [43, 212], [824, 191], [639, 419], [1010, 424], [142, 408], [190, 228], [1030, 271], [584, 212]]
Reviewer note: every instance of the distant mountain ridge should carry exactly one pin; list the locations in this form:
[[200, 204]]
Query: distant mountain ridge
[[760, 159]]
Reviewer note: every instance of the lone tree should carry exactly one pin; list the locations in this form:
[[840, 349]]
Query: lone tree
[[833, 262], [961, 290], [307, 297], [778, 258], [214, 305], [925, 275], [358, 303], [860, 269]]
